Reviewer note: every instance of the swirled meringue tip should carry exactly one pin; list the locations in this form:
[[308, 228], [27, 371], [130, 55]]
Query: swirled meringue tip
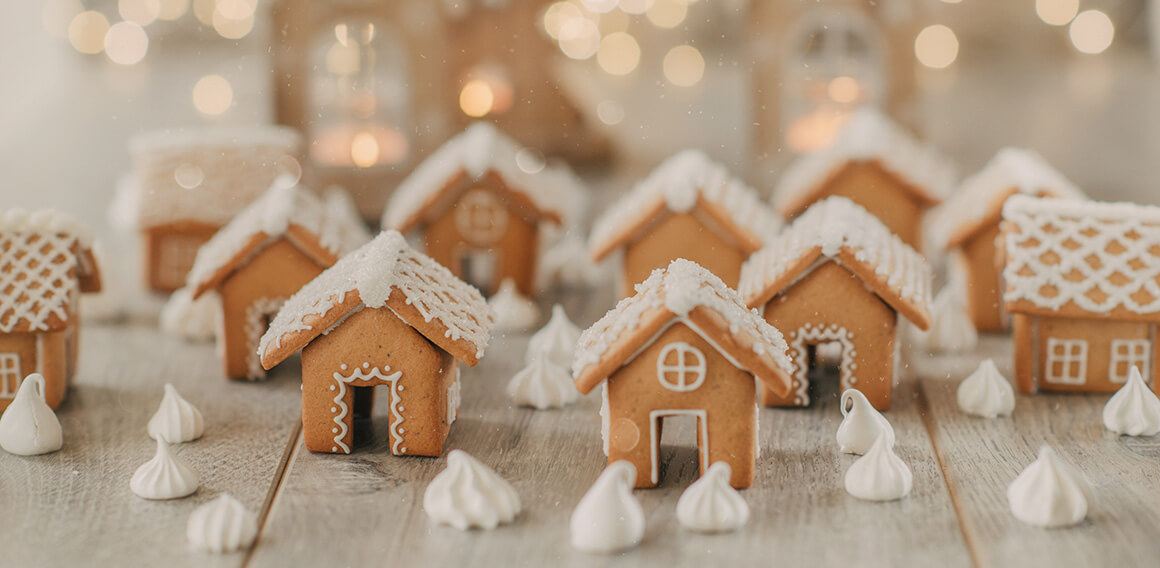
[[711, 505], [543, 385], [556, 340], [470, 495], [861, 424], [951, 329], [220, 526], [1134, 410], [166, 476], [608, 518], [513, 311], [879, 475], [1050, 493], [29, 427], [986, 392], [176, 420]]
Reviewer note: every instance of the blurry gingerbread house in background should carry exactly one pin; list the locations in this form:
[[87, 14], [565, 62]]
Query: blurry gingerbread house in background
[[481, 205], [45, 264], [1082, 285], [187, 184], [967, 226], [689, 207]]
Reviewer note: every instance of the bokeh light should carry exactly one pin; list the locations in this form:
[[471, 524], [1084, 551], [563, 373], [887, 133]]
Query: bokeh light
[[557, 15], [844, 89], [364, 150], [140, 12], [579, 38], [126, 43], [173, 9], [86, 32], [599, 6], [1092, 31], [56, 15], [610, 112], [1056, 12], [212, 95], [188, 176], [635, 6], [936, 46], [684, 66], [619, 53], [668, 13], [476, 99], [231, 28]]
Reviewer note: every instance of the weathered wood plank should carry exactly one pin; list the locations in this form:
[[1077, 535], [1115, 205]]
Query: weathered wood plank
[[74, 507]]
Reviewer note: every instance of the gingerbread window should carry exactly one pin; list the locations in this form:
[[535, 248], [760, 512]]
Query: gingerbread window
[[1128, 353], [481, 218], [9, 374], [177, 254], [681, 367], [1066, 361]]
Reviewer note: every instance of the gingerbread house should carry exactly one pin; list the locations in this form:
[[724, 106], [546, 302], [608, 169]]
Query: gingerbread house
[[479, 203], [1082, 285], [966, 226], [876, 164], [838, 276], [188, 184], [382, 315], [263, 256], [46, 262], [684, 345], [689, 207]]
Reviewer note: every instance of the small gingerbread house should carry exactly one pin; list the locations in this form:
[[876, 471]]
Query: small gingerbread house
[[1082, 284], [837, 275], [876, 164], [46, 262], [480, 202], [188, 184], [967, 225], [684, 345], [271, 249], [382, 315], [689, 207]]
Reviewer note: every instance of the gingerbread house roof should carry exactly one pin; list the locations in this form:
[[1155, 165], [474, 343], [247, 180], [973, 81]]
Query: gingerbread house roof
[[839, 230], [1081, 258], [207, 175], [686, 292], [385, 272], [46, 261], [322, 229], [978, 203], [547, 191], [868, 136], [686, 180]]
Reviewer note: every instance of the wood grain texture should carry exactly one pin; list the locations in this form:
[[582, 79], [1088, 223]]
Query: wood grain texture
[[74, 507]]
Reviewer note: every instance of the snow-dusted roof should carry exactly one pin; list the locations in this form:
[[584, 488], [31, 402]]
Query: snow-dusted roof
[[979, 198], [676, 291], [868, 136], [552, 190], [1069, 257], [332, 225], [841, 230], [676, 185], [385, 272]]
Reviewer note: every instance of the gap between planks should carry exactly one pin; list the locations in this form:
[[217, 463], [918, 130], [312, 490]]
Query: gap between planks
[[276, 486], [924, 409]]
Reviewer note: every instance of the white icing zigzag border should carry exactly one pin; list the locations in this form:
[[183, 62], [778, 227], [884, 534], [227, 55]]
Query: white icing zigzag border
[[797, 343], [396, 433]]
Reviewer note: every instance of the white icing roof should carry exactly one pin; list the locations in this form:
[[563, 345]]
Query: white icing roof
[[40, 269], [867, 136], [677, 183], [1100, 257], [475, 152]]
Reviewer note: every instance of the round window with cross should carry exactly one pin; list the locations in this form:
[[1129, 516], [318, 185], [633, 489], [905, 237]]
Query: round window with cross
[[480, 217], [681, 367]]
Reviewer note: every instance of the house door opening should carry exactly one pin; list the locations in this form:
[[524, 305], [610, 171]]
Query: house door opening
[[682, 426], [477, 268]]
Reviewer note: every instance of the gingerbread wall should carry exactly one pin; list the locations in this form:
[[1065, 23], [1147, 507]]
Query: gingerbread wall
[[883, 195], [984, 275], [1031, 350], [55, 366], [831, 299], [681, 235], [155, 249], [727, 395]]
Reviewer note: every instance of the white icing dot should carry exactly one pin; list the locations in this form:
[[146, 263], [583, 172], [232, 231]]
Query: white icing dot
[[333, 409], [401, 409], [331, 387], [401, 430], [400, 387], [366, 365], [342, 366], [403, 450], [334, 448], [334, 430]]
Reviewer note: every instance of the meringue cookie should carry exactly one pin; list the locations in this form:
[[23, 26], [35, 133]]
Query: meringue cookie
[[711, 505], [567, 263], [469, 495], [951, 329], [1049, 493], [1134, 410], [543, 384], [861, 424], [176, 419], [557, 340], [195, 320], [513, 311], [608, 518], [166, 476], [29, 427], [879, 475], [222, 525], [986, 392]]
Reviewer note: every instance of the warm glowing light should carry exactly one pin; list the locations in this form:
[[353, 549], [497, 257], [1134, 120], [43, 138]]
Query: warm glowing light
[[86, 32], [361, 145], [530, 161], [1092, 31], [952, 1], [619, 54], [844, 89], [364, 150], [343, 59], [212, 95], [188, 176], [936, 46], [559, 14], [204, 10], [599, 6], [236, 9], [126, 43], [635, 6], [684, 65], [1056, 12], [476, 99], [230, 28], [140, 12], [173, 9], [610, 112], [612, 22], [667, 13], [57, 14], [579, 38], [814, 131]]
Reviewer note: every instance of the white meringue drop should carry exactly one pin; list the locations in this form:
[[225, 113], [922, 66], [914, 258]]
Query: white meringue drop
[[711, 505], [543, 385], [879, 475], [513, 311], [1134, 410], [1049, 493], [557, 340], [28, 426], [176, 419], [986, 392], [608, 518], [195, 320], [469, 495], [567, 263], [951, 329], [166, 476], [861, 424], [220, 526]]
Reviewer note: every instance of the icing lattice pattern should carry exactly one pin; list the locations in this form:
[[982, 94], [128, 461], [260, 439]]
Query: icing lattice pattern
[[38, 269], [1098, 256]]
